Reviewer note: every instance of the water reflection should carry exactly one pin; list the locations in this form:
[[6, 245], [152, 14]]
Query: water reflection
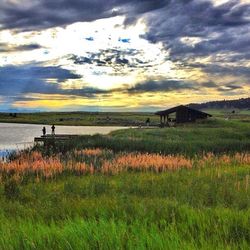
[[20, 136]]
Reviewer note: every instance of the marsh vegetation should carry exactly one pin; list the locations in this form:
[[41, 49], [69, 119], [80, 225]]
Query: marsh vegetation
[[174, 188]]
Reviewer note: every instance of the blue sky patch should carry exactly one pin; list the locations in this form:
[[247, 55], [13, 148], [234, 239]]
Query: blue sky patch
[[124, 40], [89, 38]]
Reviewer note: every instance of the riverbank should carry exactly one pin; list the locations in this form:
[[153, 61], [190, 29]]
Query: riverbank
[[15, 136]]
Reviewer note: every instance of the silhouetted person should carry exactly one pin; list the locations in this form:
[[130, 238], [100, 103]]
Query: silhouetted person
[[53, 129], [147, 121], [44, 131]]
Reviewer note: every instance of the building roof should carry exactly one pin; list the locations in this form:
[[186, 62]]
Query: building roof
[[181, 107]]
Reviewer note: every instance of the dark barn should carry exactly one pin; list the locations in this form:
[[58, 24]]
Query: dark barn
[[181, 114]]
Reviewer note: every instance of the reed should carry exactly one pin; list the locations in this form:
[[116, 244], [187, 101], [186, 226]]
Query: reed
[[91, 161]]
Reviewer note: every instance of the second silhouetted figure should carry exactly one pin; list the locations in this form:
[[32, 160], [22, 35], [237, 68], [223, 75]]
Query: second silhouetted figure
[[53, 129]]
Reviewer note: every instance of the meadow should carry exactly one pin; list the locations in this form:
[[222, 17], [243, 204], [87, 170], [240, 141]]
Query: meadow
[[105, 118], [186, 187], [81, 118], [215, 135]]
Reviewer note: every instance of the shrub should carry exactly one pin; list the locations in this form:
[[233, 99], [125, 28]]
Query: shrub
[[11, 189]]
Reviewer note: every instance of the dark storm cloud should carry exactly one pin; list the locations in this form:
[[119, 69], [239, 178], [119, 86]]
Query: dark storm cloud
[[227, 70], [221, 87], [229, 87], [209, 84], [46, 13], [20, 80], [195, 18], [167, 20], [4, 47], [220, 29], [223, 34], [161, 86], [151, 86], [231, 41]]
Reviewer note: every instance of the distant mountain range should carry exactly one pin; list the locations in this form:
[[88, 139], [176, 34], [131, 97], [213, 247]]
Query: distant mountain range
[[243, 103]]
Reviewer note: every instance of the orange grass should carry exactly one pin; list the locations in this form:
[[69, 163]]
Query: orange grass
[[101, 162], [144, 162], [216, 161], [33, 163], [90, 152]]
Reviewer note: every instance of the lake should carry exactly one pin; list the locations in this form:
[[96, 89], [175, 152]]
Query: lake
[[19, 136]]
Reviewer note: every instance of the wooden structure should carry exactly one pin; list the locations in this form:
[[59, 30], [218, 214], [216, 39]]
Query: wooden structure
[[57, 137], [182, 114]]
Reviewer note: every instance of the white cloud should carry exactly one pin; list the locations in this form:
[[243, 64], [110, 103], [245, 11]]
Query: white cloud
[[84, 39], [220, 2]]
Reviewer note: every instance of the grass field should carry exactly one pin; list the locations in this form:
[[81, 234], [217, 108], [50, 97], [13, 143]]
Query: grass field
[[81, 118], [213, 135], [96, 198], [186, 187], [105, 118]]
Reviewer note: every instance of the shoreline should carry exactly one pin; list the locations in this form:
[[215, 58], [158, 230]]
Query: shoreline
[[76, 125], [19, 136], [68, 125]]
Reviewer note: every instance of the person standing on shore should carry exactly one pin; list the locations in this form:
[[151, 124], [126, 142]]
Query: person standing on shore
[[53, 129], [44, 131]]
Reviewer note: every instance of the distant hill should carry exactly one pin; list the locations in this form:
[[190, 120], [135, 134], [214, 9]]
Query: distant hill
[[243, 103]]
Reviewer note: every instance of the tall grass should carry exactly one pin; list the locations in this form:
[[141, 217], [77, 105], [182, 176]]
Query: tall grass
[[191, 230], [90, 161], [216, 136], [183, 209], [178, 188]]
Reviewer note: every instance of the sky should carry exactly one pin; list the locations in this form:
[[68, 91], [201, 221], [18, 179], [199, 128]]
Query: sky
[[122, 55]]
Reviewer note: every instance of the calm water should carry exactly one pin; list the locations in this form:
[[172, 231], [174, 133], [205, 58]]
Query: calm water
[[19, 136]]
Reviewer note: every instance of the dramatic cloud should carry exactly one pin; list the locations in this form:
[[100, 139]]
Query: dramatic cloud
[[229, 70], [198, 28], [46, 13], [19, 80], [229, 87], [4, 47], [160, 86], [116, 59], [123, 53]]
